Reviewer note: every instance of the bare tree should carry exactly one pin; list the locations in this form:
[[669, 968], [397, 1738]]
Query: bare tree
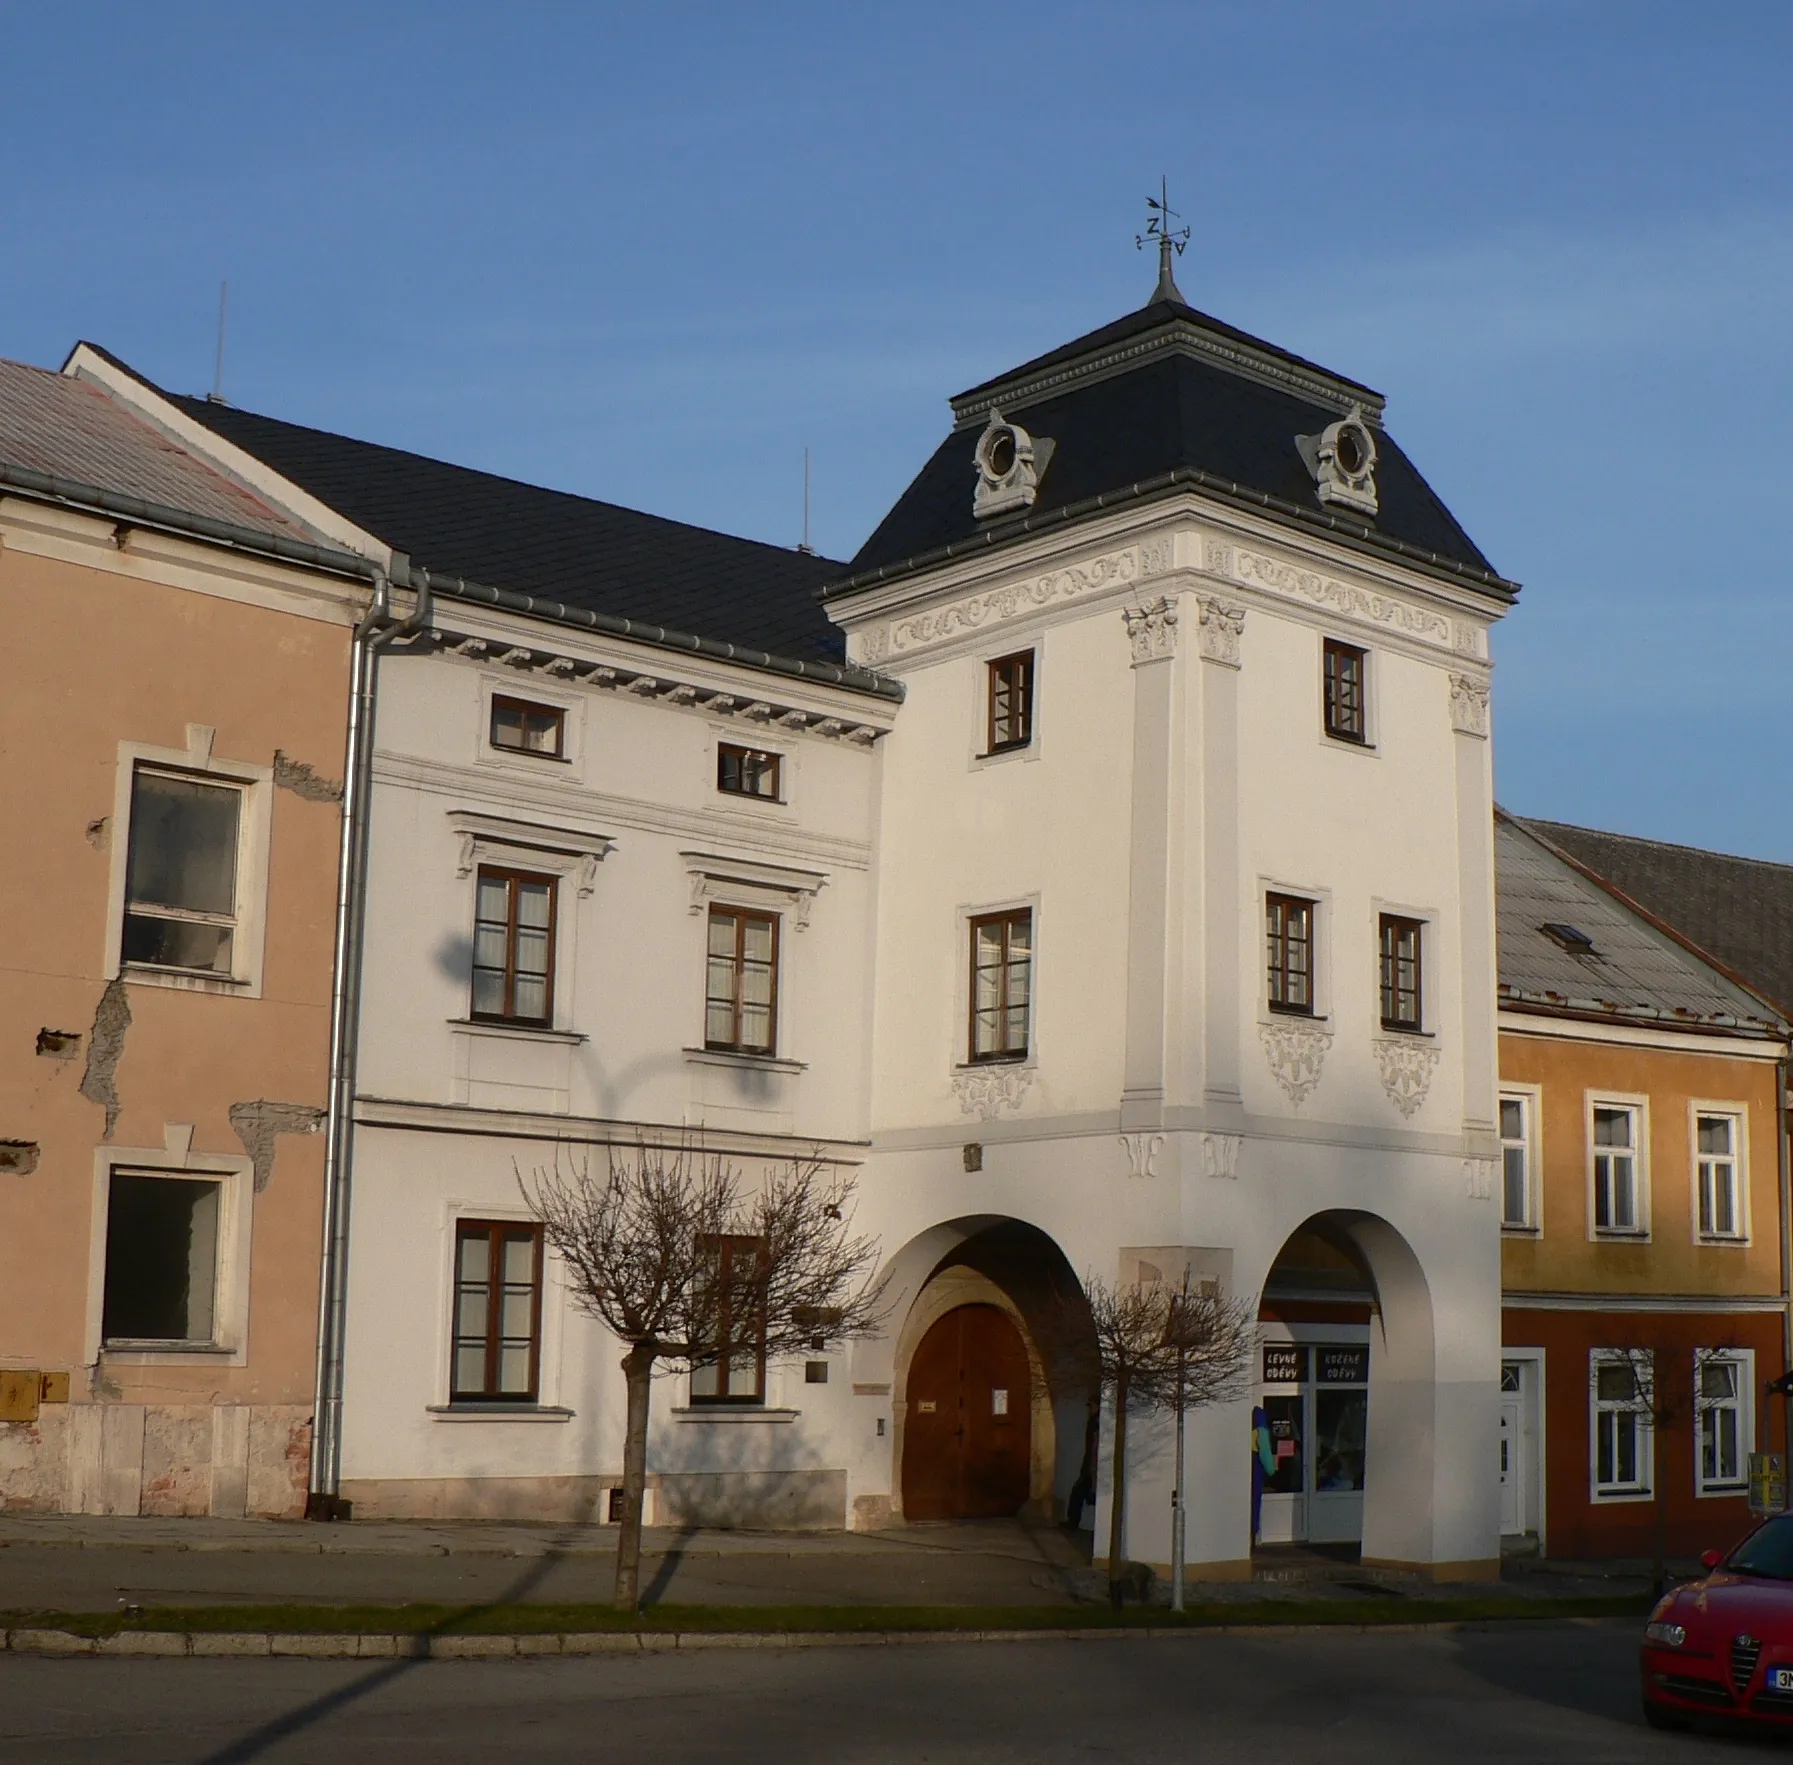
[[690, 1271], [1638, 1382], [1147, 1345]]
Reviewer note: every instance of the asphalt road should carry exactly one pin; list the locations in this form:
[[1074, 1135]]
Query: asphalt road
[[1521, 1692]]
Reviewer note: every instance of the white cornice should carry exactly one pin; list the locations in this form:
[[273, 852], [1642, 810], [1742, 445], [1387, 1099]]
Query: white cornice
[[788, 705], [1638, 1035], [1512, 1300], [1165, 548], [471, 785], [99, 542], [594, 1132]]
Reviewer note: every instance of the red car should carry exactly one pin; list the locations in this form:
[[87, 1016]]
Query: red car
[[1723, 1646]]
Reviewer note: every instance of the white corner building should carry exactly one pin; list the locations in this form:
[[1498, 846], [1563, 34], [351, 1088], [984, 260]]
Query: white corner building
[[1120, 903]]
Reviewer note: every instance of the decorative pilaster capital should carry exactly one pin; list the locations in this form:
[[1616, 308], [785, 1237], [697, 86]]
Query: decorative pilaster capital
[[1218, 629], [1469, 705], [1152, 630]]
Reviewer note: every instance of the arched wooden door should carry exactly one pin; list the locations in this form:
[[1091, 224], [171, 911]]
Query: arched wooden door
[[968, 1428]]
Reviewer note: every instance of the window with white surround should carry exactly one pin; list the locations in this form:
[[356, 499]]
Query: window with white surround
[[1717, 1138], [1623, 1442], [1518, 1206], [189, 869], [1724, 1385], [1615, 1138]]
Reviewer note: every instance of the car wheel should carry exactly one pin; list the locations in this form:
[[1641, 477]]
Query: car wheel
[[1660, 1717]]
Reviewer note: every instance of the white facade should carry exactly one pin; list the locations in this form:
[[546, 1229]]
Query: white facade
[[638, 842], [1178, 772]]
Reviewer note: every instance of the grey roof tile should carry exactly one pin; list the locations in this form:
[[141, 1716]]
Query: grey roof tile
[[1738, 909], [1635, 971]]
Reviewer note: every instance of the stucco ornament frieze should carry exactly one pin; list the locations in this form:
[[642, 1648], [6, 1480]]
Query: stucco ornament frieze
[[1220, 1155], [1152, 630], [1142, 1153], [1296, 1049], [1469, 705], [1158, 555], [1292, 582], [994, 606], [1478, 1179], [1407, 1066], [985, 1091], [1218, 629]]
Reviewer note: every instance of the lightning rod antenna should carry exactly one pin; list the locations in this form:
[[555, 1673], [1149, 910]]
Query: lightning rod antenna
[[218, 372]]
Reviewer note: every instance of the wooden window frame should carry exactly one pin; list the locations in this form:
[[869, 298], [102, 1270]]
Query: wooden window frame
[[1278, 944], [741, 916], [1394, 997], [730, 1245], [1016, 671], [513, 876], [1345, 702], [497, 1233], [758, 755], [529, 708], [1004, 1054]]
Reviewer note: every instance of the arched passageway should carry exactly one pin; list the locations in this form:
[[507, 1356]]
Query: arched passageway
[[987, 1421], [1344, 1411]]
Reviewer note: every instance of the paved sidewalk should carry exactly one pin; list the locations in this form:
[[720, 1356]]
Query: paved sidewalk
[[89, 1564]]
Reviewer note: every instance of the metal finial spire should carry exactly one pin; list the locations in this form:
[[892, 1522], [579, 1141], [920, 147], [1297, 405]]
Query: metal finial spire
[[1171, 241]]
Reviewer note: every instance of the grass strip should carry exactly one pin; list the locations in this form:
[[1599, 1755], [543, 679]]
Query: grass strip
[[537, 1620]]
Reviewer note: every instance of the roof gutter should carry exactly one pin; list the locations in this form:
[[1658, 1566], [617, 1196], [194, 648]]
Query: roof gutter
[[862, 680], [1353, 533], [165, 518], [1717, 1023]]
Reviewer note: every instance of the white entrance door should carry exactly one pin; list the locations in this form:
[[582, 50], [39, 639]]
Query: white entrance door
[[1512, 1485], [1518, 1450]]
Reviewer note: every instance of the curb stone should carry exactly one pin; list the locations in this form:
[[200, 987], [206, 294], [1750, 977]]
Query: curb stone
[[410, 1645]]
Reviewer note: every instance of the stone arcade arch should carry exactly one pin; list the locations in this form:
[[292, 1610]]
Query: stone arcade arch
[[1400, 1450], [981, 1260]]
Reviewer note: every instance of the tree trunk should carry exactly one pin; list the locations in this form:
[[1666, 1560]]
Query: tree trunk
[[638, 1370], [1117, 1500]]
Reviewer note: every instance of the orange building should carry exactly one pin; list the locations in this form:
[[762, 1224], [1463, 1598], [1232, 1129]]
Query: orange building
[[1643, 1205], [173, 737]]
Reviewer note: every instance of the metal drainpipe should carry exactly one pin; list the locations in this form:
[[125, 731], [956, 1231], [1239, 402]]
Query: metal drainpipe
[[373, 633], [1782, 1071]]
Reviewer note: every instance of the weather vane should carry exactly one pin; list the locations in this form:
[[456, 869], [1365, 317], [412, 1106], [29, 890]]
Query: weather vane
[[1170, 241]]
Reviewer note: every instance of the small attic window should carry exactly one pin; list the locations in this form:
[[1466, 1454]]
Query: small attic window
[[1569, 937]]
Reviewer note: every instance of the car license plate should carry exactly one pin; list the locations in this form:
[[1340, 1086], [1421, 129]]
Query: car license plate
[[1780, 1678]]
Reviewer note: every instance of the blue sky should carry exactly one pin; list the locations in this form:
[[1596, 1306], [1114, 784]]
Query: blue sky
[[649, 254]]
